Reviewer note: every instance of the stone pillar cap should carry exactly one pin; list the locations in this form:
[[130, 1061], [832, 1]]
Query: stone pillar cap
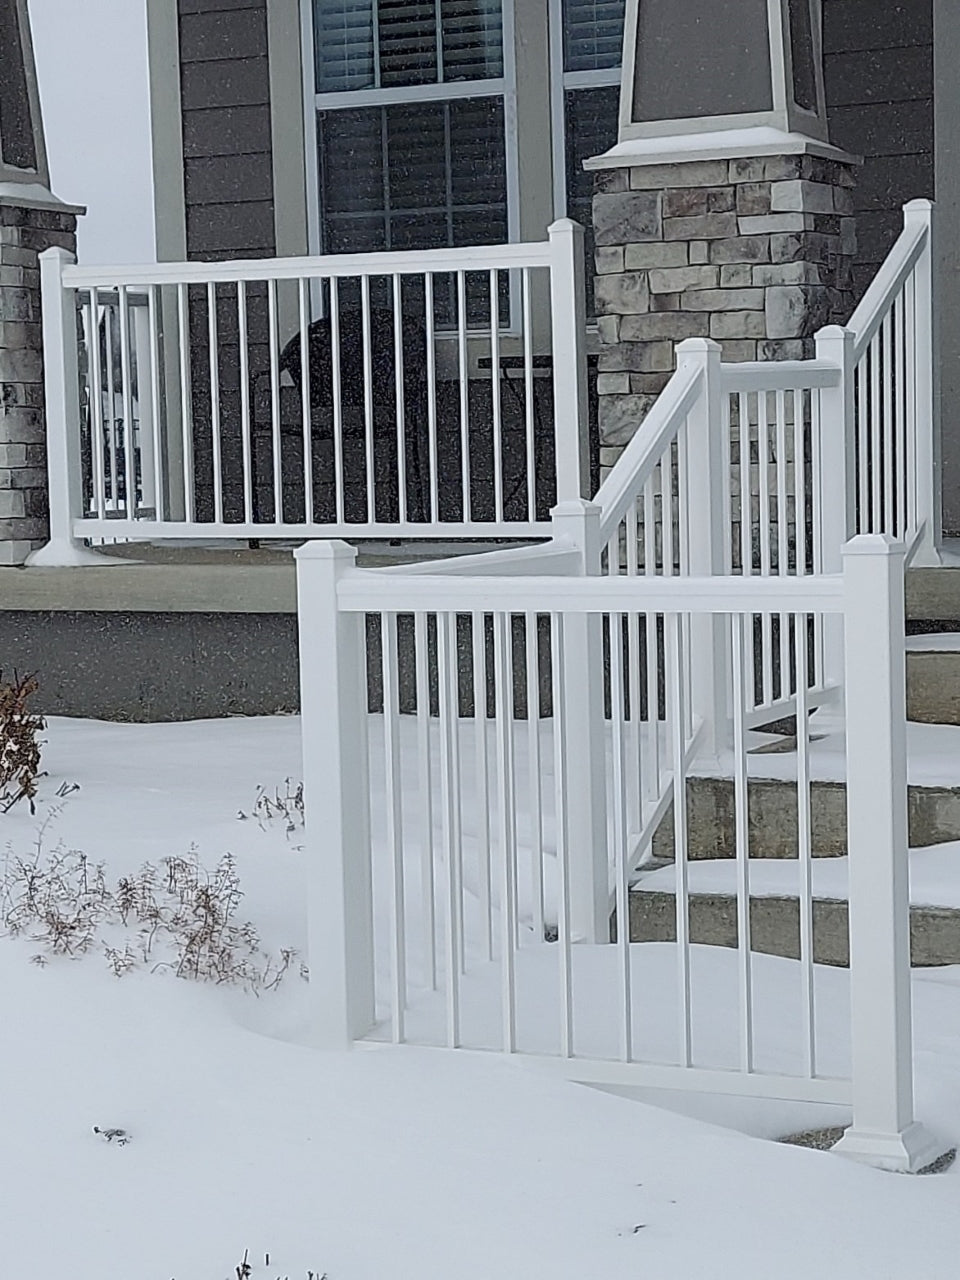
[[724, 144], [34, 195]]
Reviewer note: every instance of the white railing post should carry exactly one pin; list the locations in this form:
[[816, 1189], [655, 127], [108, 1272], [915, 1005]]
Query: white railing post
[[568, 311], [835, 498], [144, 434], [928, 498], [708, 475], [883, 1132], [582, 685], [333, 709], [61, 391]]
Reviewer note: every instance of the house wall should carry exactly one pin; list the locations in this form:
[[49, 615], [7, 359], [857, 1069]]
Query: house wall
[[227, 148], [878, 71]]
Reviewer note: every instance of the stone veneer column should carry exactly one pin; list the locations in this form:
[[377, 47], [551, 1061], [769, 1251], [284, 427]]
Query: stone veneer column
[[754, 252], [25, 231]]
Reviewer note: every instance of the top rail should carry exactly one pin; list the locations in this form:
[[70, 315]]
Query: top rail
[[371, 589], [403, 262], [892, 276], [645, 449], [780, 375]]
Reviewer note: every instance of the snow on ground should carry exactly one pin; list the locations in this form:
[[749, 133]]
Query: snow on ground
[[383, 1163]]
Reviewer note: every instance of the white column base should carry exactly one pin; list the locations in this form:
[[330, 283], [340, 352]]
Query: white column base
[[63, 553], [906, 1152]]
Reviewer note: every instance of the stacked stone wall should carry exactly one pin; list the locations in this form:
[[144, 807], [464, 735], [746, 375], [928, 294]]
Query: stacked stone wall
[[755, 253], [24, 234]]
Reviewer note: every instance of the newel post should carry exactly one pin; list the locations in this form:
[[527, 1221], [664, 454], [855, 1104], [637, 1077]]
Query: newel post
[[61, 390], [582, 690], [884, 1132], [333, 710], [568, 316], [708, 477], [836, 478]]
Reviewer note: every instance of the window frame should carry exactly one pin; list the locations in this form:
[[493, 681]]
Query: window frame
[[503, 87]]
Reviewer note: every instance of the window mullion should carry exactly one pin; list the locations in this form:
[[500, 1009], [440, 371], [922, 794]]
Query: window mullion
[[439, 12], [376, 42]]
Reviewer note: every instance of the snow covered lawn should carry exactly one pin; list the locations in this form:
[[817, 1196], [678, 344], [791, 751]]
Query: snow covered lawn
[[381, 1164]]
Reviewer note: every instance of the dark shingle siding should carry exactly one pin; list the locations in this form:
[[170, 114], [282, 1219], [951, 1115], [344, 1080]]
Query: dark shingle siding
[[878, 65], [225, 100]]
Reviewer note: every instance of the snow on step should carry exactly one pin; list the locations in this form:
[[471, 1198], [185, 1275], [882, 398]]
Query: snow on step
[[935, 642], [934, 877]]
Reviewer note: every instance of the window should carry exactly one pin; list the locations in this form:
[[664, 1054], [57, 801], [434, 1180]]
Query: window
[[411, 123], [586, 114]]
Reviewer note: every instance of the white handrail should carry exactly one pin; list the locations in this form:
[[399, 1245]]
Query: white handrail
[[646, 448], [891, 277]]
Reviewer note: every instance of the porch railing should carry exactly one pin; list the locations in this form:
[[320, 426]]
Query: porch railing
[[408, 394], [474, 889]]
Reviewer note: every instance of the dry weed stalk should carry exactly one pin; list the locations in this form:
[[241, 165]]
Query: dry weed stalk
[[19, 748], [183, 917]]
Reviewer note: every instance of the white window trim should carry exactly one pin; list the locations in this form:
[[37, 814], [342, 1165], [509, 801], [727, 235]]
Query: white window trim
[[503, 87], [560, 82]]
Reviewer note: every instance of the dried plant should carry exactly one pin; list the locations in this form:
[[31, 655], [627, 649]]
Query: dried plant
[[19, 748], [285, 806], [180, 917]]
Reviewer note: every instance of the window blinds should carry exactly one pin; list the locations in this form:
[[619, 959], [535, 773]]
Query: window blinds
[[592, 34]]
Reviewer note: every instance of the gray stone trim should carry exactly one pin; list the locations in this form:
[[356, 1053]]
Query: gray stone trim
[[287, 128], [166, 128]]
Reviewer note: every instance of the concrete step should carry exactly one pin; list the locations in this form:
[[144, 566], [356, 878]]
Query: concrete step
[[775, 926], [775, 911], [933, 813], [933, 677]]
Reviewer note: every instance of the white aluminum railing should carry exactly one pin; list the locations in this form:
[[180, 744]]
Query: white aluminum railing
[[502, 919], [409, 394]]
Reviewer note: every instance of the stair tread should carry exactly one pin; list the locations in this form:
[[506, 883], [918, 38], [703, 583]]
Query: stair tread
[[934, 877]]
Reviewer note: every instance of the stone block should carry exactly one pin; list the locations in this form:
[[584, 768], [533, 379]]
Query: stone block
[[665, 302], [738, 324], [669, 325], [787, 311], [627, 217], [723, 300], [609, 259], [753, 198], [35, 238], [690, 173], [22, 395], [785, 349], [649, 383], [17, 334], [22, 424], [673, 279], [706, 226], [610, 180], [843, 200], [620, 416], [734, 350], [609, 384], [18, 303], [741, 249], [13, 455], [20, 366], [24, 277], [15, 255], [848, 236], [801, 196], [767, 224], [608, 328], [684, 202], [787, 273], [625, 294], [737, 276], [638, 257], [699, 252], [637, 357], [15, 552], [15, 528], [22, 478], [765, 168], [12, 504]]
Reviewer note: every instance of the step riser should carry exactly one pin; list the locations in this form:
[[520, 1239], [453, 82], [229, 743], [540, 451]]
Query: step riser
[[934, 817], [775, 927], [933, 688]]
